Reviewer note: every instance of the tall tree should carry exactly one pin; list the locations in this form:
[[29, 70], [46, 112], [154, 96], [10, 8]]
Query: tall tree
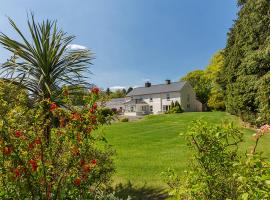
[[216, 96], [247, 63], [44, 62]]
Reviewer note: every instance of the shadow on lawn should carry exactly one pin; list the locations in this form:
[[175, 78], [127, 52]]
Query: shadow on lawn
[[140, 193]]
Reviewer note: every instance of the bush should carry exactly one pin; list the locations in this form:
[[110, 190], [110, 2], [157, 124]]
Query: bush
[[125, 119], [217, 171], [49, 151], [175, 108]]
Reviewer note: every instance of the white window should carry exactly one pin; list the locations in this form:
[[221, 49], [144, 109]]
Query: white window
[[168, 97], [151, 99], [151, 108], [132, 109]]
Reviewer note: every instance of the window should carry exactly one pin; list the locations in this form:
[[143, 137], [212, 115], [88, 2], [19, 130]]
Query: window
[[143, 108], [168, 97], [151, 108], [188, 98], [165, 108], [132, 109], [151, 99], [188, 105]]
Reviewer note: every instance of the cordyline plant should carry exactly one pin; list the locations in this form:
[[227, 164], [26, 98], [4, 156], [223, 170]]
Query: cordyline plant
[[68, 163], [44, 63]]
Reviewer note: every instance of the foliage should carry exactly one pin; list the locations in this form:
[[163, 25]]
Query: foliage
[[247, 56], [44, 63], [125, 119], [205, 83], [118, 94], [49, 152], [175, 108], [11, 96], [200, 83], [217, 169]]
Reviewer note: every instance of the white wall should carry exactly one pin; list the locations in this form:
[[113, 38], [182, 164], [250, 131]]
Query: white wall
[[188, 97], [158, 100]]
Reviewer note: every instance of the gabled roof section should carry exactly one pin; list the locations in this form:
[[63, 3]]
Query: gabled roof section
[[157, 89]]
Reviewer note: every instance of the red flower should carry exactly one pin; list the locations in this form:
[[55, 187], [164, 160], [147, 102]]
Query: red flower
[[37, 141], [31, 145], [77, 181], [94, 162], [33, 164], [95, 90], [92, 111], [53, 106], [17, 172], [7, 150], [18, 134], [94, 106]]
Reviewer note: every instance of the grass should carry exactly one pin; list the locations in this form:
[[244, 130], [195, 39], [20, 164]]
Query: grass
[[151, 145]]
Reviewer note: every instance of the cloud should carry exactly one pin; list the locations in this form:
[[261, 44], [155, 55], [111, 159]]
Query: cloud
[[76, 47], [113, 88]]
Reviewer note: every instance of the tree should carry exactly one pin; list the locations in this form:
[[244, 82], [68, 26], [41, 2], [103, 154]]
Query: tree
[[118, 94], [247, 63], [44, 63], [124, 91], [216, 96], [108, 91], [201, 85], [129, 90]]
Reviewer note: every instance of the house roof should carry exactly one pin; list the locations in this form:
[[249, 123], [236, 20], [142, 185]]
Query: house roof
[[157, 89], [135, 101]]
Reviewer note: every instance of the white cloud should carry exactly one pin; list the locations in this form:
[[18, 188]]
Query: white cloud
[[113, 88], [76, 47]]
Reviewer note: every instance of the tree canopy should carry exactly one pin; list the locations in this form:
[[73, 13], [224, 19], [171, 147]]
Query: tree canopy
[[245, 73]]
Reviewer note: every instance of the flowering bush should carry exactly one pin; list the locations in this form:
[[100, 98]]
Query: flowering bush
[[51, 152]]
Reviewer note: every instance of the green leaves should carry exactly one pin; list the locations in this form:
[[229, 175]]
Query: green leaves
[[43, 63], [247, 59]]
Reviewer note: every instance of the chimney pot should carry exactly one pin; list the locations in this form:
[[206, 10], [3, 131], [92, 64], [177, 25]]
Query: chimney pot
[[147, 84], [168, 81]]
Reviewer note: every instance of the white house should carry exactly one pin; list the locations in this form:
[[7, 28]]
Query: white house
[[155, 99]]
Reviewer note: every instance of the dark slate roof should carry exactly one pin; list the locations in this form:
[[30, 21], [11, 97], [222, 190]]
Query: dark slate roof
[[156, 89]]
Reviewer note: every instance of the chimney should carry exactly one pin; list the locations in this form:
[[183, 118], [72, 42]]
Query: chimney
[[147, 84], [168, 81]]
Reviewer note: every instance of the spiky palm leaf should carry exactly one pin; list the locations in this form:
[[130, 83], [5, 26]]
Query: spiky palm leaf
[[44, 63]]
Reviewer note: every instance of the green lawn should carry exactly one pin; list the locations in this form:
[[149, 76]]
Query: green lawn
[[151, 145]]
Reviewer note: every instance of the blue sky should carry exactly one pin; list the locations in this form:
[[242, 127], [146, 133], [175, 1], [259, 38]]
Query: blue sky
[[134, 40]]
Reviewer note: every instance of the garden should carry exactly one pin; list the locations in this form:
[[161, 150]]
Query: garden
[[58, 141]]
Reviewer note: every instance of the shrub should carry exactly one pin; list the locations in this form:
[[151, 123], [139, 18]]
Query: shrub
[[50, 151], [125, 119], [175, 108], [217, 171]]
